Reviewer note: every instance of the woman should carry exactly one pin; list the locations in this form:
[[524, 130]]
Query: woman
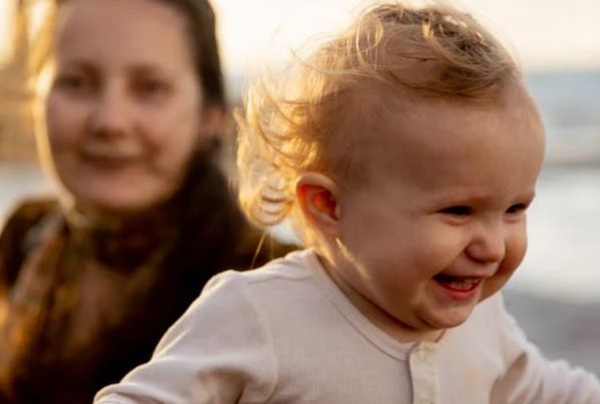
[[128, 123]]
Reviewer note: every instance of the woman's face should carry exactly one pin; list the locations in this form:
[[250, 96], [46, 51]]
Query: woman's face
[[123, 111]]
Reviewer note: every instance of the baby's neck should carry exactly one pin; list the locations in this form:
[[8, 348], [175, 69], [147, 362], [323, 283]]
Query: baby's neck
[[379, 317]]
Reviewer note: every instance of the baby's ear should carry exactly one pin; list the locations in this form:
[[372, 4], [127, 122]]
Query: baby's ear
[[318, 198]]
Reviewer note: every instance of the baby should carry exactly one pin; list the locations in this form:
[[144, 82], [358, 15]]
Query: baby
[[405, 152]]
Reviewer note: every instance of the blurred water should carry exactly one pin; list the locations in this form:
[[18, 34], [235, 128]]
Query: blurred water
[[19, 180], [563, 261], [570, 104]]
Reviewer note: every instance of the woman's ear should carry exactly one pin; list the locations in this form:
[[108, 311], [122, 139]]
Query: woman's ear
[[213, 119], [318, 198]]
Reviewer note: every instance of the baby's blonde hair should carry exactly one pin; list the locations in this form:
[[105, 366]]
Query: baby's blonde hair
[[305, 123]]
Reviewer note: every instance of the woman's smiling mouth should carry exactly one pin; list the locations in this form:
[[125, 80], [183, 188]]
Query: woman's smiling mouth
[[109, 160]]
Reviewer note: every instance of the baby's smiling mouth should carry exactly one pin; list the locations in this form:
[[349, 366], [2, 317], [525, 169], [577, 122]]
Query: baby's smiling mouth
[[458, 283]]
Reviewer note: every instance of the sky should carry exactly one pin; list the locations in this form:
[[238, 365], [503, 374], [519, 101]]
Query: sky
[[545, 34]]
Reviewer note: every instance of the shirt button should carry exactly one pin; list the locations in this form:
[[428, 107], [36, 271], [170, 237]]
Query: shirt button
[[421, 356]]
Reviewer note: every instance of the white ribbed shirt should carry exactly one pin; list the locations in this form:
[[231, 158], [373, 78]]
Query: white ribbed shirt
[[286, 334]]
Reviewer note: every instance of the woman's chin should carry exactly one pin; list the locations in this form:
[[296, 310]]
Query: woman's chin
[[115, 204]]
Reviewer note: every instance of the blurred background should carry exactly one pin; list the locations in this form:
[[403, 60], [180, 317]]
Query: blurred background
[[556, 293]]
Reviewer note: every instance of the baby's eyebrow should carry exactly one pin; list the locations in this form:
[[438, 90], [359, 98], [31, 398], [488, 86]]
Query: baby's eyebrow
[[455, 194], [464, 195]]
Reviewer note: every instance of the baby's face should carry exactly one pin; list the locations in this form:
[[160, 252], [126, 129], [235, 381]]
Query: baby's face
[[441, 224]]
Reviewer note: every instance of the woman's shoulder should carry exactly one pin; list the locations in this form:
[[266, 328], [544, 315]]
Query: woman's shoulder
[[24, 218], [31, 210], [26, 214]]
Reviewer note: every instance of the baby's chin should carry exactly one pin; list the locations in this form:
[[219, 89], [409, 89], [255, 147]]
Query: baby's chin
[[448, 317]]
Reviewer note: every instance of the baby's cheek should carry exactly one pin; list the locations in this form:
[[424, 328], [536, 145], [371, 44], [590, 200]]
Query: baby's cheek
[[516, 247], [444, 249], [515, 252]]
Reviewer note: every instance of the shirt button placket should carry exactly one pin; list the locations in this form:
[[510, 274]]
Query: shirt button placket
[[423, 374]]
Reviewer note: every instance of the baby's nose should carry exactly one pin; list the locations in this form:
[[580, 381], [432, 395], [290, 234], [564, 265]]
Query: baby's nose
[[488, 245]]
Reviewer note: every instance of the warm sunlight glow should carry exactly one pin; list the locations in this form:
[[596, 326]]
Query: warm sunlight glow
[[5, 28], [547, 34]]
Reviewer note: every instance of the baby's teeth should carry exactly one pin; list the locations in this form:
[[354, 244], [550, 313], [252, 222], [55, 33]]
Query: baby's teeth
[[464, 285]]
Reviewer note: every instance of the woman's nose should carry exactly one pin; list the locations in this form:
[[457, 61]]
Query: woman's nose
[[110, 114], [488, 244]]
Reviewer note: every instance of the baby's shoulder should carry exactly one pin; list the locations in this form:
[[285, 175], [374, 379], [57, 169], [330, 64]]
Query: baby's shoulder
[[275, 276], [293, 266]]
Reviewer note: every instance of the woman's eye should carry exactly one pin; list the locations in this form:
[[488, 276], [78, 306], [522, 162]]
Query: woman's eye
[[150, 88], [460, 210], [516, 208], [72, 82]]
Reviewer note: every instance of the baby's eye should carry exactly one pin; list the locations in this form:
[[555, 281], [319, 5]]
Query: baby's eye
[[459, 210], [517, 208]]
